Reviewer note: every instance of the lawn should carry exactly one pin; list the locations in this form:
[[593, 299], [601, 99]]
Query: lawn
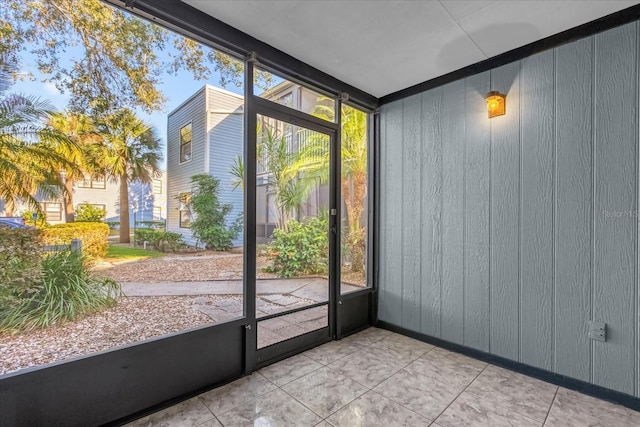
[[126, 253]]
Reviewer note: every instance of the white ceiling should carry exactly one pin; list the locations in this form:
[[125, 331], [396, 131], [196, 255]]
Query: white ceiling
[[385, 46]]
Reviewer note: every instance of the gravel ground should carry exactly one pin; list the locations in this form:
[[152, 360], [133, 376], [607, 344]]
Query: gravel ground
[[136, 318], [181, 268], [132, 319]]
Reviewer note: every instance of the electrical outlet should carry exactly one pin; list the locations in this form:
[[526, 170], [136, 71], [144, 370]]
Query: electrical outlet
[[598, 331]]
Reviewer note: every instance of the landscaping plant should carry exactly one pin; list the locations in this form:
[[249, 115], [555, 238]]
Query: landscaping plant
[[94, 236], [90, 213], [20, 254], [300, 248], [163, 241], [65, 291], [210, 224]]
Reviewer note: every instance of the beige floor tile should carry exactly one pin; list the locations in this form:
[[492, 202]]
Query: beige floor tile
[[471, 411], [571, 409], [324, 391], [190, 413], [518, 393], [368, 367], [331, 351], [275, 408], [227, 397], [290, 369], [423, 395], [373, 409]]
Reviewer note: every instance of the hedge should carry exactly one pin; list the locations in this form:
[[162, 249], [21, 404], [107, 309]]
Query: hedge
[[20, 255], [94, 236]]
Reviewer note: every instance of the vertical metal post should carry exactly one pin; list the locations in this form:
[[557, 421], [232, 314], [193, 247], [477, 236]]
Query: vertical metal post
[[249, 272], [335, 225], [374, 215]]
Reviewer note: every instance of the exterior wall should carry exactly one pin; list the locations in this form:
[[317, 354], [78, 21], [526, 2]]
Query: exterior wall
[[179, 175], [109, 196], [226, 117], [509, 235]]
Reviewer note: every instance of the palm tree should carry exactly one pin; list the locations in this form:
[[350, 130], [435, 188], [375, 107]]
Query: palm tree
[[131, 152], [288, 188], [313, 159], [28, 167], [84, 154]]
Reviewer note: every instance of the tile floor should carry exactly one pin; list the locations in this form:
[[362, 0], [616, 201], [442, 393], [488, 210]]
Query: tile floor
[[378, 378]]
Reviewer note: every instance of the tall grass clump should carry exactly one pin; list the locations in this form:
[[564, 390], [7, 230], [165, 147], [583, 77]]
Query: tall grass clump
[[65, 291]]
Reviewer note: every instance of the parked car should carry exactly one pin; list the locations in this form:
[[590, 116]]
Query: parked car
[[10, 222]]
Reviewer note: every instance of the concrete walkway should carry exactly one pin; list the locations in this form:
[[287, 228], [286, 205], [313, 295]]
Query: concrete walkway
[[273, 296], [312, 288]]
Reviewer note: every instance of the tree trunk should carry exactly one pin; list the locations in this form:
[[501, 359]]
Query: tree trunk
[[67, 198], [9, 207], [124, 210]]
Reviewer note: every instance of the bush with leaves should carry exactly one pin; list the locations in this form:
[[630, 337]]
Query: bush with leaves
[[90, 213], [20, 255], [94, 236], [40, 221], [300, 248], [163, 241], [65, 291], [210, 223]]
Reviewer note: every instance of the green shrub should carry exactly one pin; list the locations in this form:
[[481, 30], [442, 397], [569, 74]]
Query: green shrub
[[94, 236], [145, 235], [210, 224], [300, 248], [90, 213], [161, 240], [41, 219], [65, 291], [166, 240], [20, 255]]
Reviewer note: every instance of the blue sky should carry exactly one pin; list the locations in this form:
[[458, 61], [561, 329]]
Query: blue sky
[[176, 88]]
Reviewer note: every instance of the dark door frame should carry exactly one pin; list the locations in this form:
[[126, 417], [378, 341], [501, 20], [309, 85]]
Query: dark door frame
[[254, 106]]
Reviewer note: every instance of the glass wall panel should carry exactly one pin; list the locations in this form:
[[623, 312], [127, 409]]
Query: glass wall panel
[[168, 256], [354, 154], [292, 228]]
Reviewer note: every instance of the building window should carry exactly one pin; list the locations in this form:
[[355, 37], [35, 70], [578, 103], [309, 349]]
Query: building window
[[185, 219], [157, 213], [53, 211], [185, 143], [157, 186], [286, 100], [95, 182], [184, 200]]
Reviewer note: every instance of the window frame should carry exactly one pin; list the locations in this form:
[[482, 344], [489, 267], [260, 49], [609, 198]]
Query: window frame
[[45, 206], [92, 180], [181, 144]]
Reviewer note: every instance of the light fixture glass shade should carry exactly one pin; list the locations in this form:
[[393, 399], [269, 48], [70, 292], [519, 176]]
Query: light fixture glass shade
[[496, 104]]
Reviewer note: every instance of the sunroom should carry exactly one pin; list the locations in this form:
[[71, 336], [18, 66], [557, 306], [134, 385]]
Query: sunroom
[[497, 225]]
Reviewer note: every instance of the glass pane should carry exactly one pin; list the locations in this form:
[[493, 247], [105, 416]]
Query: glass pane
[[293, 95], [282, 328], [173, 275], [353, 183], [292, 203]]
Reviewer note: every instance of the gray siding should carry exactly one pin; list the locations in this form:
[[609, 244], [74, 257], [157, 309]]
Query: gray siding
[[179, 175], [506, 217], [225, 144]]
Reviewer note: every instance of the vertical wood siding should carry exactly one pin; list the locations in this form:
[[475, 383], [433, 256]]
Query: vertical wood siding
[[509, 235]]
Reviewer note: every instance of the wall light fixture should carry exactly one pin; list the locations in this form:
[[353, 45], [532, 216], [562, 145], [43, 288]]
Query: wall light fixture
[[496, 104]]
